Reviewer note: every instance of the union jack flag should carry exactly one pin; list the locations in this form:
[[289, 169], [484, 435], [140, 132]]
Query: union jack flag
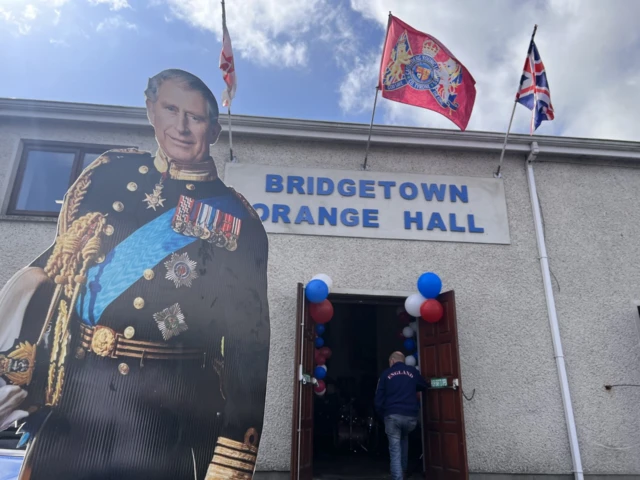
[[534, 89]]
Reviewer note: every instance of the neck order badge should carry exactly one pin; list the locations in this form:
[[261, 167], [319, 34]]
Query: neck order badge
[[419, 70]]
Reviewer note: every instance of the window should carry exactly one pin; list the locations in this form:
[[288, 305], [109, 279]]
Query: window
[[46, 172]]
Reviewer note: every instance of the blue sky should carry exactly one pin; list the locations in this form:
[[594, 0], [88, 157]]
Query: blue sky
[[318, 59]]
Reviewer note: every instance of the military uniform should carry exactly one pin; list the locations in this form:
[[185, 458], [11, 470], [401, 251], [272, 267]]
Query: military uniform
[[152, 361]]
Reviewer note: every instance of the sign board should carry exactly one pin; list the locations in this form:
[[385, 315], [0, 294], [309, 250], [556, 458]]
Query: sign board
[[438, 383], [364, 204]]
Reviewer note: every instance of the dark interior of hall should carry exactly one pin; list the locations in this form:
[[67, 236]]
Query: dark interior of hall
[[349, 439]]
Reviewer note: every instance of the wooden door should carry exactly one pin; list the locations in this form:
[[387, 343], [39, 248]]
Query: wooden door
[[302, 418], [443, 436]]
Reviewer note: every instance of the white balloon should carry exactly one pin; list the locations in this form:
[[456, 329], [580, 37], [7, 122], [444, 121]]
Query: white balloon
[[410, 360], [413, 303], [325, 278], [407, 332], [414, 326]]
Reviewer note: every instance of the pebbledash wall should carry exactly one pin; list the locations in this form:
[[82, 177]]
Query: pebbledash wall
[[590, 196]]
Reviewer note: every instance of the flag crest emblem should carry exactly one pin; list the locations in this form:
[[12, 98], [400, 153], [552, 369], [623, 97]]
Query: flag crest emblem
[[418, 70]]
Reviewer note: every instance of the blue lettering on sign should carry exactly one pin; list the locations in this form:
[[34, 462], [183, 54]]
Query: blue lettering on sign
[[325, 186], [309, 185], [387, 187], [370, 218], [265, 211], [452, 224], [366, 189], [347, 187], [472, 225], [408, 220], [413, 191], [431, 189], [436, 221], [281, 211], [323, 214], [274, 183], [304, 215], [460, 193], [349, 217], [295, 183]]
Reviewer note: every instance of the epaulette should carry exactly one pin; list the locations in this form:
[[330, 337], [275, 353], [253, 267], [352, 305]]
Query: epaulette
[[246, 203]]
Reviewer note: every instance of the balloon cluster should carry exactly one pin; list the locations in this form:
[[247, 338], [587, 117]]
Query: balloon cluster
[[321, 311], [406, 334], [424, 304]]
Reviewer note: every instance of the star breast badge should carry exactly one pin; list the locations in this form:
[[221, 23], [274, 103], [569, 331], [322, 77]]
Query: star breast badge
[[171, 321], [181, 270]]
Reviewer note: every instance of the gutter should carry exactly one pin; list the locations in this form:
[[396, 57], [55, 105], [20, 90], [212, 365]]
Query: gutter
[[553, 318], [38, 112]]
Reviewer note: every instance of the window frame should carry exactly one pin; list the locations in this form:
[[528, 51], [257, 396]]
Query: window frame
[[78, 149]]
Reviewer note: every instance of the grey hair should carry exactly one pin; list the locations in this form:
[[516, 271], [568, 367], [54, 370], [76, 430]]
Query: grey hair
[[397, 357], [190, 81]]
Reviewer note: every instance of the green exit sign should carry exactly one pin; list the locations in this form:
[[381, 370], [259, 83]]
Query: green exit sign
[[438, 383]]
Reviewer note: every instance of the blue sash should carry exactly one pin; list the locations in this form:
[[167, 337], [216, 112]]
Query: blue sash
[[143, 249]]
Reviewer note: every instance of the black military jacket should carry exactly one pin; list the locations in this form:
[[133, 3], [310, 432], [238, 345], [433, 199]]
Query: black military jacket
[[154, 362]]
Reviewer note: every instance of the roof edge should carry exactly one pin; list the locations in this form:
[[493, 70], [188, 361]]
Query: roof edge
[[41, 110]]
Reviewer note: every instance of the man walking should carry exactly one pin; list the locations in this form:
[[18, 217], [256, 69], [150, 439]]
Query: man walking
[[396, 401]]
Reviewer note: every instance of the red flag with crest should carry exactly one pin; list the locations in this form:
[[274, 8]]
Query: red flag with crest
[[419, 70], [227, 65]]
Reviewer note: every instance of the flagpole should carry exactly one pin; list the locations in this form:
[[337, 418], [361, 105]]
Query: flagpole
[[515, 103], [375, 99], [224, 27]]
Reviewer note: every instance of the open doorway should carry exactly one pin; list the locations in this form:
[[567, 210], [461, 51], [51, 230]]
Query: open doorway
[[348, 437], [362, 333]]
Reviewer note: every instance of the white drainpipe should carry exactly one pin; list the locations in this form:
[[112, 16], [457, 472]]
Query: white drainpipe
[[553, 318]]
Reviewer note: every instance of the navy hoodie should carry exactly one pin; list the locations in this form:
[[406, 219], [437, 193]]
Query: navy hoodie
[[396, 393]]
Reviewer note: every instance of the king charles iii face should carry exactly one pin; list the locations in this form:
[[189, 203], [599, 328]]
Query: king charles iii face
[[180, 118]]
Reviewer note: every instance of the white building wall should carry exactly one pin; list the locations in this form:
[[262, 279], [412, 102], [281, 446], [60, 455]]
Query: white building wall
[[515, 422]]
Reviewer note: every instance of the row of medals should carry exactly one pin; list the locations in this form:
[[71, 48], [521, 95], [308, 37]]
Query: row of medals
[[217, 238]]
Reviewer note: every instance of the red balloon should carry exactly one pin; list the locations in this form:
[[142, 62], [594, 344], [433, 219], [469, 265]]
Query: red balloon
[[320, 387], [319, 358], [321, 312], [431, 310], [404, 317], [325, 352]]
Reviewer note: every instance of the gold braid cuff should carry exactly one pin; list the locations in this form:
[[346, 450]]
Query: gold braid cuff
[[233, 460]]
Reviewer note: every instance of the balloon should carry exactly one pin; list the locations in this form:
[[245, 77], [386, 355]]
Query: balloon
[[325, 278], [410, 360], [320, 388], [319, 342], [413, 303], [324, 367], [319, 372], [407, 332], [319, 329], [404, 317], [409, 345], [429, 285], [316, 291], [319, 358], [413, 325], [431, 311], [325, 352], [321, 312]]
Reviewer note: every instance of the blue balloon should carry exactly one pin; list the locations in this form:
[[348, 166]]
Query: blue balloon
[[409, 344], [319, 342], [319, 373], [319, 329], [429, 285], [316, 291]]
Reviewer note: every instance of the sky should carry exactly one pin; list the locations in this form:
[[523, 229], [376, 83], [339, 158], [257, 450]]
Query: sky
[[318, 59]]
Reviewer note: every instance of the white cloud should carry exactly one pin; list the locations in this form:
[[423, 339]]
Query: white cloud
[[21, 16], [114, 23], [114, 5], [267, 32], [30, 12], [58, 42], [591, 51], [358, 87]]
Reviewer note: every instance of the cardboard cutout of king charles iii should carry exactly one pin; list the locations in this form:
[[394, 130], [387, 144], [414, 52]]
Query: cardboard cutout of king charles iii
[[137, 346]]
